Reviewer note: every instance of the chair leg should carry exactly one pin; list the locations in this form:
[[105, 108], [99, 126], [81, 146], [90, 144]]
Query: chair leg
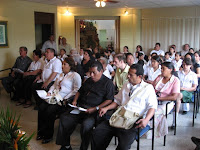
[[175, 119], [153, 135], [138, 142], [194, 110]]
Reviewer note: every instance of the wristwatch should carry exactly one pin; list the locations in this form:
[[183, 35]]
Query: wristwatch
[[97, 107]]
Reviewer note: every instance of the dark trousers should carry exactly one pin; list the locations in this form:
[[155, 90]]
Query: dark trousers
[[13, 84], [67, 125], [27, 87], [46, 117], [103, 134], [37, 86]]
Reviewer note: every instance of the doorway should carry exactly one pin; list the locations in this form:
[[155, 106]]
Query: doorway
[[44, 26], [97, 32]]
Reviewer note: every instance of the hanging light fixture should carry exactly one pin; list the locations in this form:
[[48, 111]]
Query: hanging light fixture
[[125, 12], [100, 3], [68, 13]]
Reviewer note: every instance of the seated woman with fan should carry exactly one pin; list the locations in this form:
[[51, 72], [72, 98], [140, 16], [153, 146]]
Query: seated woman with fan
[[67, 83]]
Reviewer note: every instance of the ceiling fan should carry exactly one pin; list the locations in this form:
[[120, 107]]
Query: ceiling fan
[[102, 3]]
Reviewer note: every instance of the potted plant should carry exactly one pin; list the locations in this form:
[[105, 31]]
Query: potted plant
[[11, 137]]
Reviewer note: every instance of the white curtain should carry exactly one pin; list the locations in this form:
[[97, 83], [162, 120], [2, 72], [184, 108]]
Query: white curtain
[[168, 31]]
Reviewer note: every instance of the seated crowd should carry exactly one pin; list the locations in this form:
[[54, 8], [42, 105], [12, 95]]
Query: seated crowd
[[99, 82]]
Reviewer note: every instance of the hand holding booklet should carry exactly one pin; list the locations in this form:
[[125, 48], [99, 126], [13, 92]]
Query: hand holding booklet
[[76, 107]]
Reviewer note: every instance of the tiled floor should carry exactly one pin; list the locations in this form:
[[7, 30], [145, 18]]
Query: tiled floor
[[181, 141]]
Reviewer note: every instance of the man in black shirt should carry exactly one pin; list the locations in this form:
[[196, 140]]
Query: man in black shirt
[[21, 65], [95, 93]]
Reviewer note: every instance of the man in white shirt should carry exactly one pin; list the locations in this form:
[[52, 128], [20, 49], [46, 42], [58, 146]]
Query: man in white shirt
[[52, 67], [144, 101], [157, 50], [49, 44], [185, 50]]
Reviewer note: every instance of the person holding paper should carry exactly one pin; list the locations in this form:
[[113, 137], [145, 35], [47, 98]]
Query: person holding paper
[[136, 96], [51, 69], [21, 64], [67, 83], [96, 92]]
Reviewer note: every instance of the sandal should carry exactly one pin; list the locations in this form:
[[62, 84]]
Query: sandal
[[28, 104]]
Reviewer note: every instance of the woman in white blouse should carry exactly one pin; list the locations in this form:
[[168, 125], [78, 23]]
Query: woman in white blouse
[[68, 83], [152, 72], [34, 69]]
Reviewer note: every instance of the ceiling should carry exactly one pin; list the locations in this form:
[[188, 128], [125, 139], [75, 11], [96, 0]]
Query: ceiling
[[138, 4]]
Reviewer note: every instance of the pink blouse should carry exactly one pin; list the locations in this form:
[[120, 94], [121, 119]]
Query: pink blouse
[[172, 86]]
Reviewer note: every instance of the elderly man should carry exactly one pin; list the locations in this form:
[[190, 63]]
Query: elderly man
[[21, 65], [122, 70], [52, 67], [136, 96], [50, 44], [185, 50], [65, 45], [95, 93]]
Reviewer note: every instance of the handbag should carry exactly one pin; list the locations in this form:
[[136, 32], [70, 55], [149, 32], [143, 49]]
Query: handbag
[[123, 118]]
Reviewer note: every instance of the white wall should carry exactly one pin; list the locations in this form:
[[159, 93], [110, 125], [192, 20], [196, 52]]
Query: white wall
[[169, 26]]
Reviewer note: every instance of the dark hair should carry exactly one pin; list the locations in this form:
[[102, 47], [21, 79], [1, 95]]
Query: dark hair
[[178, 53], [98, 65], [120, 57], [140, 54], [63, 50], [170, 65], [167, 53], [191, 48], [126, 47], [97, 55], [140, 62], [38, 53], [192, 57], [173, 49], [89, 53], [139, 47], [197, 52], [51, 49], [139, 69], [187, 61], [127, 54], [158, 44], [71, 63], [154, 54], [157, 58], [24, 48]]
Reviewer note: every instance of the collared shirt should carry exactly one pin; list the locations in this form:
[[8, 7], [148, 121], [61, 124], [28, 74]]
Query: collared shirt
[[183, 52], [107, 73], [121, 76], [54, 65], [177, 64], [159, 52], [67, 48], [94, 93], [143, 101], [109, 68], [49, 44], [152, 75], [63, 57], [168, 60], [35, 66], [22, 63], [67, 84], [187, 80]]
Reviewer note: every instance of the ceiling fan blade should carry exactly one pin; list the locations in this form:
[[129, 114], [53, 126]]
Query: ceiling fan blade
[[111, 1]]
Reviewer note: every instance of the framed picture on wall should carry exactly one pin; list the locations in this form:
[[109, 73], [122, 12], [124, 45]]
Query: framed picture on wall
[[3, 34]]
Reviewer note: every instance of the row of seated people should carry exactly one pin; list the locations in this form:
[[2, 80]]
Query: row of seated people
[[93, 90]]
